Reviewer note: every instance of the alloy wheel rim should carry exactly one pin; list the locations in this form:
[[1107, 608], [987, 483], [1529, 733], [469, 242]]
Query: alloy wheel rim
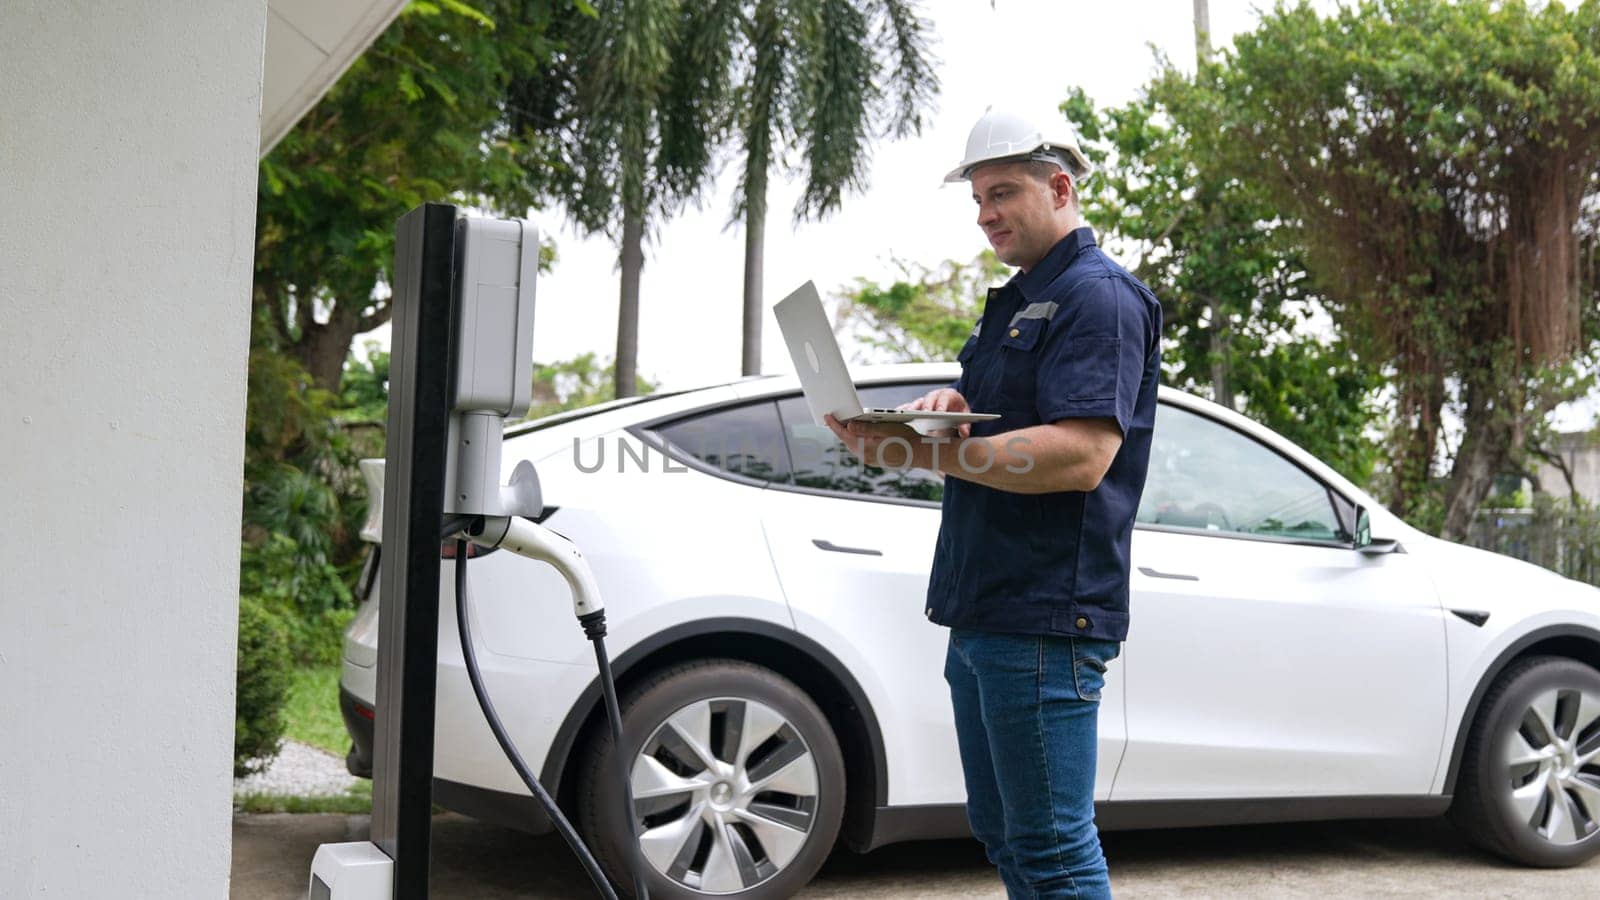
[[1554, 773], [725, 792]]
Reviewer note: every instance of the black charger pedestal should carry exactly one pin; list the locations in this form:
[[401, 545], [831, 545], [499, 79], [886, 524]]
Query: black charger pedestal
[[409, 568]]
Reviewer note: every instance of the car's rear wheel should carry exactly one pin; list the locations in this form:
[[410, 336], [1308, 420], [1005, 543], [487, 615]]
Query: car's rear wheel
[[1529, 788], [738, 784]]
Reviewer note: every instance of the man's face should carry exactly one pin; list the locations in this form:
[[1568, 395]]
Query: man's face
[[1018, 211]]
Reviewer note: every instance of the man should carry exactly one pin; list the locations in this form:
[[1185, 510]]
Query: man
[[1031, 568]]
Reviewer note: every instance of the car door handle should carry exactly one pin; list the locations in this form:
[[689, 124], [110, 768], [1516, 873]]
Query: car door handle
[[1146, 570], [830, 545]]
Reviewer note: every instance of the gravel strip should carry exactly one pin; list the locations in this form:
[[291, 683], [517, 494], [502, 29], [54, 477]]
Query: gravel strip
[[300, 770]]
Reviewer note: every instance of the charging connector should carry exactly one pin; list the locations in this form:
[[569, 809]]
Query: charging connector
[[534, 541]]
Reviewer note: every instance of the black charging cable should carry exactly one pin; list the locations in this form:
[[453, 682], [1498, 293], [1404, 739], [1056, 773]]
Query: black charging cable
[[473, 675], [594, 626]]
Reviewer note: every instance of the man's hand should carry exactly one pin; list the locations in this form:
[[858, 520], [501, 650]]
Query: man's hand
[[943, 400], [866, 440]]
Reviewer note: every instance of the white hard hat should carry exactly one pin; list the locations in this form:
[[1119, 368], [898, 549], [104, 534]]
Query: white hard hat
[[1006, 136]]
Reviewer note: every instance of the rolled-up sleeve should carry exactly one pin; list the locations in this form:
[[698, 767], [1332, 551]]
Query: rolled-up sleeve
[[1094, 354]]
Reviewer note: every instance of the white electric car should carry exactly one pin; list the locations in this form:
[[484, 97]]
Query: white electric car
[[783, 691]]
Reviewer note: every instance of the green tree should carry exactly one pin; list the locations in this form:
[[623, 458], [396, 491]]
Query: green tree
[[421, 116], [1240, 318], [926, 314], [1442, 161], [365, 392], [821, 79], [303, 498]]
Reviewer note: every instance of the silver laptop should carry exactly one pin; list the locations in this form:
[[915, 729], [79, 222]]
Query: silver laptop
[[822, 371]]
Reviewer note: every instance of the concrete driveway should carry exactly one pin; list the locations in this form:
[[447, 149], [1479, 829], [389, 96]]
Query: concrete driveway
[[1392, 858]]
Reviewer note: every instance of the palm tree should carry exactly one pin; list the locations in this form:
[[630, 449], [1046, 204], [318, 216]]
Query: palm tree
[[633, 110], [652, 88], [822, 78]]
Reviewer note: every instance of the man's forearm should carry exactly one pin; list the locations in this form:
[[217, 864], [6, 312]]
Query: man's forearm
[[1037, 460]]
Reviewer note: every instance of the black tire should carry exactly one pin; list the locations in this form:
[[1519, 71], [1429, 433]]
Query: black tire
[[1484, 807], [732, 690]]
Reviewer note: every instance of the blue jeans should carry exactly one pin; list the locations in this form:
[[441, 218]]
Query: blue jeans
[[1026, 712]]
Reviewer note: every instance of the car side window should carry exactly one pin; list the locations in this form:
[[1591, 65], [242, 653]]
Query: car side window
[[822, 462], [1207, 476], [744, 440]]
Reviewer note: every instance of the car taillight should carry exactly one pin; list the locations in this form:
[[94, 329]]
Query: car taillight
[[364, 712]]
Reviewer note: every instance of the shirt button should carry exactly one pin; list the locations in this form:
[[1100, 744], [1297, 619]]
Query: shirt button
[[1082, 622], [1015, 332]]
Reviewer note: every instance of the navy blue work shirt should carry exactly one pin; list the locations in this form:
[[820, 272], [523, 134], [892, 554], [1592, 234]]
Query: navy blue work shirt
[[1076, 337]]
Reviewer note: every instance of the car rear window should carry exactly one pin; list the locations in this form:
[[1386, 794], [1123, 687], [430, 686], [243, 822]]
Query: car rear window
[[744, 440], [820, 461]]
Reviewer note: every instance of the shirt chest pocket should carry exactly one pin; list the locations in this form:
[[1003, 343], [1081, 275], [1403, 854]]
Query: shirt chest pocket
[[1019, 362]]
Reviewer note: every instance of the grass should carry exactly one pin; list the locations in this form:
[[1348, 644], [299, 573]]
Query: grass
[[311, 715], [355, 801]]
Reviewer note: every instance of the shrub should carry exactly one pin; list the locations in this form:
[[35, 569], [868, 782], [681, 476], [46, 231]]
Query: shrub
[[304, 499], [261, 688], [310, 593]]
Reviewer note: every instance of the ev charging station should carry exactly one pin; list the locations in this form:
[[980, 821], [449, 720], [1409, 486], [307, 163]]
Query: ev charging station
[[460, 363]]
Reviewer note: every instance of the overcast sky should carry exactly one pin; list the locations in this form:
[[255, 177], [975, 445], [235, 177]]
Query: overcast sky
[[1020, 54]]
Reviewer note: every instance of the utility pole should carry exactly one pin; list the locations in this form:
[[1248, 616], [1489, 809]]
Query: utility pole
[[1202, 31]]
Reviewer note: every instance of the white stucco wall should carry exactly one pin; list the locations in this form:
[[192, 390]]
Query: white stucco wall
[[128, 140]]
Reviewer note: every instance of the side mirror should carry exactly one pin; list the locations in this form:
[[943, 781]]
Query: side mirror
[[1363, 537]]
